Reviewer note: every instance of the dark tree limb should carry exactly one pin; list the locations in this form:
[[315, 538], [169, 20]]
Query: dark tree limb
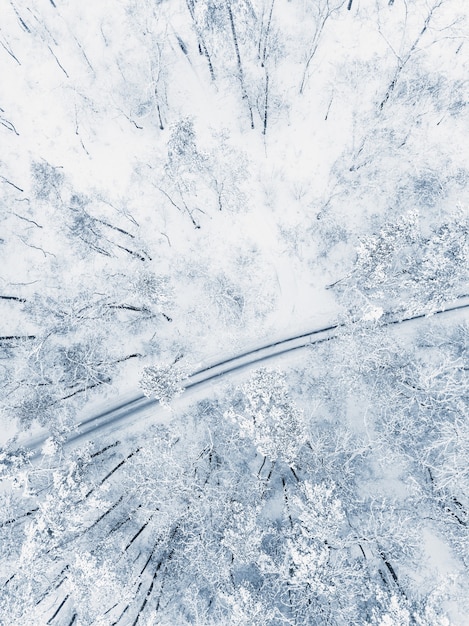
[[101, 517], [51, 619], [114, 469], [238, 60], [105, 449], [138, 533], [10, 52], [15, 298], [266, 102], [200, 40], [8, 522]]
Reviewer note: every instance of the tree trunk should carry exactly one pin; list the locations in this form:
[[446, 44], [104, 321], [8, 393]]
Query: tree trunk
[[200, 39], [266, 102], [238, 61]]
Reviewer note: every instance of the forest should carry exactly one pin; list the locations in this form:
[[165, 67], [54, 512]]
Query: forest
[[234, 296]]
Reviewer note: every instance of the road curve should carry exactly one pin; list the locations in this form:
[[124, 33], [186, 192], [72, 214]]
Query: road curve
[[249, 359]]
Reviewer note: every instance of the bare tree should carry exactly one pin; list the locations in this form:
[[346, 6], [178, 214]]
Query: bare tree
[[323, 11]]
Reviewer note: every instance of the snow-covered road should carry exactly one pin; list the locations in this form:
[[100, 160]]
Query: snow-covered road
[[114, 418]]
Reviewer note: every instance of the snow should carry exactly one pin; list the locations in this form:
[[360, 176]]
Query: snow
[[95, 194]]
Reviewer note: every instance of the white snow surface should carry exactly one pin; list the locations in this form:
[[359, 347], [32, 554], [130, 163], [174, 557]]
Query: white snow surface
[[245, 230]]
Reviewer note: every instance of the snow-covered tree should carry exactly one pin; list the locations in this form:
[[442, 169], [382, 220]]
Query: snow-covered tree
[[269, 417], [151, 289], [245, 606], [410, 267], [163, 382]]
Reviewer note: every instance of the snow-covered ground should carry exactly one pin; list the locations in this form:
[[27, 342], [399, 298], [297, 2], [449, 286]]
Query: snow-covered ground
[[185, 181]]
